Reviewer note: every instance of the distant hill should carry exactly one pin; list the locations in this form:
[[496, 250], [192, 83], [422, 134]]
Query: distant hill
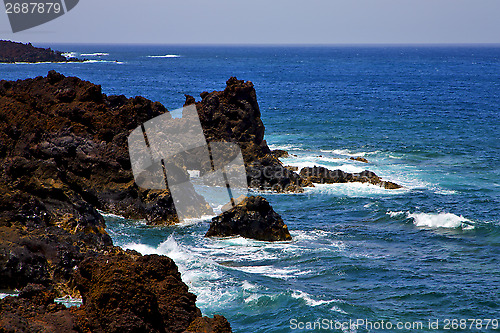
[[19, 52]]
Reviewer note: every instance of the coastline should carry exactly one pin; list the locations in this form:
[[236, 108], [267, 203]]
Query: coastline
[[338, 214]]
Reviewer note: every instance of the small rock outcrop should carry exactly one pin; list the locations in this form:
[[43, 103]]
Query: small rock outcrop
[[19, 52], [359, 159], [278, 153], [252, 218], [323, 175]]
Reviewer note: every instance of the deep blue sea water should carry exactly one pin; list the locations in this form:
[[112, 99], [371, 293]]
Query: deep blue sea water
[[425, 117]]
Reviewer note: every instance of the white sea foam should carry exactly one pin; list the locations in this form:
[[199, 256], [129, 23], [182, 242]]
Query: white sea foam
[[110, 215], [70, 54], [396, 214], [436, 220], [337, 309], [69, 301], [445, 192], [193, 221], [343, 152], [96, 54], [165, 56], [325, 162], [13, 293], [441, 220], [309, 300], [353, 190], [99, 61], [269, 271], [286, 147]]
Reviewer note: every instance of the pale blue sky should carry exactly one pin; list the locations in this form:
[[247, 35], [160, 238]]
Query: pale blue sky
[[270, 22]]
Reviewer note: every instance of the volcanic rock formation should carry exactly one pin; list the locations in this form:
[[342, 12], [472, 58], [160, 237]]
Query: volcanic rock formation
[[252, 218]]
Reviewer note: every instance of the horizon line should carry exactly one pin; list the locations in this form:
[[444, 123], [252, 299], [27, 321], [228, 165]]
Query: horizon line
[[303, 45]]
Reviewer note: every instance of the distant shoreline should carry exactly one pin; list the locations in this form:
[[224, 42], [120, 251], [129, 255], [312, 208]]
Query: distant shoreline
[[14, 52]]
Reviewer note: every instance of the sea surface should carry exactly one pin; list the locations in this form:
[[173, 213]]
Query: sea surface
[[425, 117]]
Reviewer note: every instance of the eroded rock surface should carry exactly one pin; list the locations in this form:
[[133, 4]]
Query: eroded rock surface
[[323, 175], [252, 218]]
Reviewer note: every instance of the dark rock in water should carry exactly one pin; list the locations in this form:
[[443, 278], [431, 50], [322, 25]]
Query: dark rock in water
[[19, 52], [323, 175], [252, 218], [278, 153], [360, 159], [390, 185]]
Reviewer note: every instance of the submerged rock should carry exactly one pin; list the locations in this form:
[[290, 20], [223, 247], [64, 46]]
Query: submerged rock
[[252, 218], [323, 175]]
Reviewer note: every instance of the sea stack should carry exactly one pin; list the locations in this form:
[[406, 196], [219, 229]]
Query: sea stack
[[252, 218]]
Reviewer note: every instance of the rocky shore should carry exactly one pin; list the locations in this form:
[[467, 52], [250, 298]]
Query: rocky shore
[[63, 153], [64, 158], [11, 52]]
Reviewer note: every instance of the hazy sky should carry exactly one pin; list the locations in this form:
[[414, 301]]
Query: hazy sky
[[270, 22]]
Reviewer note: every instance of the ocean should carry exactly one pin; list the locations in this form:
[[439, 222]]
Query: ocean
[[424, 258]]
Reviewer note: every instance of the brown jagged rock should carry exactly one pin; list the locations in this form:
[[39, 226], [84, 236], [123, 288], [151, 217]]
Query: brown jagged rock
[[323, 175], [278, 153], [133, 293], [217, 324], [34, 310], [252, 218], [360, 159], [125, 292], [63, 155], [19, 52], [233, 115]]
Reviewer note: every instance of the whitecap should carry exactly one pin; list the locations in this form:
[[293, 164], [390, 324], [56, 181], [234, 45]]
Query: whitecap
[[96, 54], [337, 309], [70, 54], [165, 56], [396, 214], [298, 294], [98, 61], [286, 147], [441, 220], [353, 190], [269, 271]]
